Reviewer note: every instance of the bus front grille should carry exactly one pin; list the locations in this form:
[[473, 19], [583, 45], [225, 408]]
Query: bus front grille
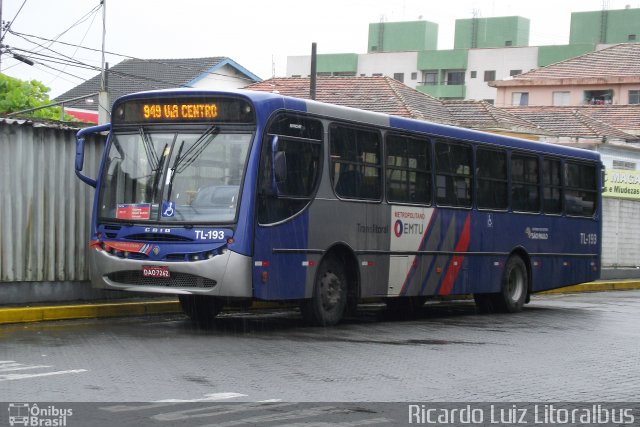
[[177, 280]]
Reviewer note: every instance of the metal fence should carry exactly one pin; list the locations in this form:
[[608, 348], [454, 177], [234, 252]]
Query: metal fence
[[45, 210]]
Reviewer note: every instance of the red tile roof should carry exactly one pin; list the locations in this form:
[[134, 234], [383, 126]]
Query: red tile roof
[[618, 63], [572, 122], [386, 95], [381, 94], [483, 116]]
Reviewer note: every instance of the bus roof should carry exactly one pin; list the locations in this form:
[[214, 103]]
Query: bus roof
[[274, 101]]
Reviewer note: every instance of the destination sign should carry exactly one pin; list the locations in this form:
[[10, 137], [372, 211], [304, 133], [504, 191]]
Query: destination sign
[[183, 109], [179, 111]]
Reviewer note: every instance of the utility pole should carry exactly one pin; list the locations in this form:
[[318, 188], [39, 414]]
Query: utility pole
[[103, 96], [1, 35]]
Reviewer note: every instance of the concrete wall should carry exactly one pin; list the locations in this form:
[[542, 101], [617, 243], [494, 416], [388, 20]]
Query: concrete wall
[[605, 26], [402, 36], [502, 61]]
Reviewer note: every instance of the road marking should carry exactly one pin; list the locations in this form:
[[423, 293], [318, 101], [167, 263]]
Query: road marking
[[13, 377], [368, 422], [292, 415], [211, 397], [21, 367], [216, 411]]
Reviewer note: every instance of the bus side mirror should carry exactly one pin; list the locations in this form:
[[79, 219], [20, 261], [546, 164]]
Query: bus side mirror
[[279, 165], [80, 139]]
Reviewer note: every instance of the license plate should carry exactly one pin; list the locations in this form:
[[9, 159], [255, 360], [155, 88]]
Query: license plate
[[155, 271]]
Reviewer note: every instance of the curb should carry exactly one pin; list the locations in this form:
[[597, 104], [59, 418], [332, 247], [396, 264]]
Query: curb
[[10, 315], [86, 311], [600, 286]]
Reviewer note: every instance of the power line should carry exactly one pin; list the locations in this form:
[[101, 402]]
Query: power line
[[150, 61], [10, 22]]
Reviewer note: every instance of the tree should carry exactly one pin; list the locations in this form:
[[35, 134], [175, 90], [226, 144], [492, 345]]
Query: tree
[[18, 95]]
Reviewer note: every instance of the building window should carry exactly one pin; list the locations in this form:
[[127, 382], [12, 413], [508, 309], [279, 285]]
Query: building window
[[399, 77], [454, 78], [520, 98], [489, 101], [344, 74], [598, 97], [324, 74], [489, 75], [514, 72], [621, 164], [376, 75], [634, 97], [414, 76], [430, 78], [561, 98], [474, 74], [632, 37], [508, 43]]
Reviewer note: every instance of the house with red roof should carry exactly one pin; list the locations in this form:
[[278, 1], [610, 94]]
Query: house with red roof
[[609, 76]]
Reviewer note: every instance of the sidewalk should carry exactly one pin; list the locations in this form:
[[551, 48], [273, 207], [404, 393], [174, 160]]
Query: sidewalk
[[86, 310]]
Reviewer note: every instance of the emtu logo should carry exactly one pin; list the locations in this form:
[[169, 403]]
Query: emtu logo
[[401, 228], [398, 228]]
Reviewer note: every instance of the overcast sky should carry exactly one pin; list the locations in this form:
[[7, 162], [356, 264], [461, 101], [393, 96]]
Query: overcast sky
[[258, 34]]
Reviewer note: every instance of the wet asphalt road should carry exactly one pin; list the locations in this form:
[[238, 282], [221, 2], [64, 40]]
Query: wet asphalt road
[[577, 347]]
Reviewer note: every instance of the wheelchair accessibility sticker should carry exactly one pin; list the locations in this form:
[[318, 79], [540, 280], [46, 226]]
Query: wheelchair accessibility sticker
[[168, 209]]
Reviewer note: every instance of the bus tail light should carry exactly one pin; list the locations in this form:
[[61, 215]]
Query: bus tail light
[[264, 277]]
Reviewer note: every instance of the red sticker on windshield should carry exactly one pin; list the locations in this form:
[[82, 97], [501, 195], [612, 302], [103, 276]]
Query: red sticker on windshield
[[134, 211]]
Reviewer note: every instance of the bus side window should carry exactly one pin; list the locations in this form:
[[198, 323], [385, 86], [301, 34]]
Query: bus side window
[[302, 168], [552, 186], [453, 174], [525, 193], [408, 169], [580, 189], [355, 162], [491, 173]]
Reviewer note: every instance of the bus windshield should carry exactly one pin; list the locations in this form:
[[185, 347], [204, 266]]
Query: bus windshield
[[173, 176]]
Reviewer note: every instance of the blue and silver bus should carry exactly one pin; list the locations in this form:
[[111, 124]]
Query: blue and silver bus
[[225, 198]]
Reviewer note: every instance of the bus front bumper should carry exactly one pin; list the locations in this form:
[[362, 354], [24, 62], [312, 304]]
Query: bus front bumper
[[224, 275]]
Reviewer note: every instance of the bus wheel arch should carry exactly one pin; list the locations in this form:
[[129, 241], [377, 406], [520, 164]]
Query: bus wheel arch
[[335, 288]]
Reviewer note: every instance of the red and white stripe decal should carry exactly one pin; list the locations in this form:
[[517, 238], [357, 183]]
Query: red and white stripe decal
[[456, 262]]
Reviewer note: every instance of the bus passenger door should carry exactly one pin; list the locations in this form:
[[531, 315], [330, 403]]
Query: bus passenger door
[[289, 173]]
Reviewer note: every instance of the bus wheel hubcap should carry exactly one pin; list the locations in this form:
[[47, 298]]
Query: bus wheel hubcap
[[515, 286], [330, 290]]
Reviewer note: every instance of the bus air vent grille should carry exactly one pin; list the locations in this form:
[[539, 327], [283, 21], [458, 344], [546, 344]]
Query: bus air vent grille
[[177, 280], [150, 237]]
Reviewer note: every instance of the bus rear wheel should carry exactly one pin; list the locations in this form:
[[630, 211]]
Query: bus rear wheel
[[515, 284], [514, 287], [329, 300], [201, 309]]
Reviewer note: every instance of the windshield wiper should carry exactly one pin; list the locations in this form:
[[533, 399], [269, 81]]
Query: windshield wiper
[[148, 149], [172, 170], [196, 149]]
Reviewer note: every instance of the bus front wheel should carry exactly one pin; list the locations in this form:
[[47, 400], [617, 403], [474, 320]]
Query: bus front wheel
[[200, 309], [329, 300]]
